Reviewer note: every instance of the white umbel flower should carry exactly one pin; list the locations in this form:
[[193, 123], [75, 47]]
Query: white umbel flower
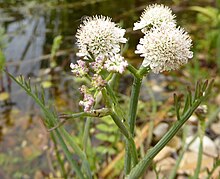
[[98, 35], [154, 16], [116, 63], [165, 48]]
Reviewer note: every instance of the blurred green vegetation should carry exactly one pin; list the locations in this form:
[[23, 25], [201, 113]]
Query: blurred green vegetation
[[2, 46]]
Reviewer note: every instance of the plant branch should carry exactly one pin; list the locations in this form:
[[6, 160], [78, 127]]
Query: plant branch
[[94, 113], [201, 94]]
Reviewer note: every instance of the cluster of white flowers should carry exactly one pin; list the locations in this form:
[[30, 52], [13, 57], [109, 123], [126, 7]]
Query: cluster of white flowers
[[153, 16], [116, 64], [99, 37], [164, 46], [98, 40]]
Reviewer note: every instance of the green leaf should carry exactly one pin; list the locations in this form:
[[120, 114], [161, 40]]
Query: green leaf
[[104, 150], [105, 137], [106, 128], [187, 104]]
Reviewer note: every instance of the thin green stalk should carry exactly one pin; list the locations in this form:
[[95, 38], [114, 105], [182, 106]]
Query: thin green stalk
[[109, 77], [86, 133], [134, 98], [120, 125], [78, 151], [133, 151], [128, 136], [60, 161], [127, 160], [139, 169], [215, 166], [68, 155], [199, 161], [182, 152], [115, 106], [132, 70], [200, 153], [133, 104]]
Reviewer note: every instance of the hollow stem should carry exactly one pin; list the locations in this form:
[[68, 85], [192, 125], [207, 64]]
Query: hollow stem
[[133, 104], [138, 75]]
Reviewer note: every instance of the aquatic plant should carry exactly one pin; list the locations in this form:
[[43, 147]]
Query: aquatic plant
[[164, 47]]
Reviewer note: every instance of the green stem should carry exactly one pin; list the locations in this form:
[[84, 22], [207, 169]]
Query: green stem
[[109, 77], [215, 166], [68, 155], [133, 104], [127, 160], [86, 133], [200, 153], [127, 134], [139, 169], [132, 120], [186, 146], [120, 125], [199, 161], [60, 161], [78, 151], [138, 75], [132, 70], [133, 151], [129, 140]]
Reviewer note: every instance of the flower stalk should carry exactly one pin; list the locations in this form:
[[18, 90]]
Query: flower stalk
[[138, 75]]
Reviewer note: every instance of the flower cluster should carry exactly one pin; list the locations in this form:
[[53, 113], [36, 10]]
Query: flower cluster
[[153, 16], [164, 46], [98, 40], [99, 36]]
